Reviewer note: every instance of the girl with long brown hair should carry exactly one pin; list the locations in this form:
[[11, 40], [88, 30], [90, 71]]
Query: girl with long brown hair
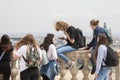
[[21, 48], [102, 72]]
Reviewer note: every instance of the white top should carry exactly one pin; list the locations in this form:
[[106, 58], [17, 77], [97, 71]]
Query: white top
[[102, 52], [22, 51], [52, 54]]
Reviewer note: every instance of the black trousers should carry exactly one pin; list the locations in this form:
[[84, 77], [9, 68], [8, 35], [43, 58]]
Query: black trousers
[[31, 73], [5, 69], [45, 77]]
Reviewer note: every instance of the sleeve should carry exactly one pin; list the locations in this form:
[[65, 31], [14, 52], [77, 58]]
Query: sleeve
[[71, 32], [22, 50], [40, 53], [52, 52], [99, 60], [93, 42]]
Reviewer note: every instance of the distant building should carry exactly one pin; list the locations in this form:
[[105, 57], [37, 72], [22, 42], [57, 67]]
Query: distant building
[[107, 30]]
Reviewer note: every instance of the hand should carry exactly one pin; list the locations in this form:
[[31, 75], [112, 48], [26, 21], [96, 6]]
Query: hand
[[96, 75], [65, 33]]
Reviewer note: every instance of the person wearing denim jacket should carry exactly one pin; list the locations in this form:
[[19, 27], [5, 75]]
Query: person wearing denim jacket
[[49, 70]]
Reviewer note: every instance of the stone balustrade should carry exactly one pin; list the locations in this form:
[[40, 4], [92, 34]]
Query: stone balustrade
[[74, 71]]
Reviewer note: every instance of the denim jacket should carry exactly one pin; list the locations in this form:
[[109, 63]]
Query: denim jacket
[[96, 32], [50, 69]]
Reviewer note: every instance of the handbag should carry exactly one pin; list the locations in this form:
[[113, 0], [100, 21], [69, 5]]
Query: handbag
[[2, 55]]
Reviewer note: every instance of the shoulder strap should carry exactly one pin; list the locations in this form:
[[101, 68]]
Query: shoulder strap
[[24, 59], [2, 55]]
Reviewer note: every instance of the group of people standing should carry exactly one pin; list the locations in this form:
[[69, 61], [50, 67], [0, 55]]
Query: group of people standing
[[97, 47]]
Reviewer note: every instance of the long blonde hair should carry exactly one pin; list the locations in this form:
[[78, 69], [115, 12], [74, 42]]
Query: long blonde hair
[[28, 39]]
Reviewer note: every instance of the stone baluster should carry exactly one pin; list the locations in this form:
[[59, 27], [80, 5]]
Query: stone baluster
[[110, 75], [1, 76], [117, 71], [74, 70], [85, 70], [117, 68], [62, 69], [14, 71]]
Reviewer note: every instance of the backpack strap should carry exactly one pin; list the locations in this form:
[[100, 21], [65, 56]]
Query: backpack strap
[[24, 59], [2, 55]]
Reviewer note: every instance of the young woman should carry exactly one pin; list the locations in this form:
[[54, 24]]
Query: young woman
[[50, 70], [71, 38], [102, 72], [5, 56], [21, 48], [94, 24]]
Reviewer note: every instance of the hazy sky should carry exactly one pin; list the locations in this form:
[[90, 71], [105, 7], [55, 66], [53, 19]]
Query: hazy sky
[[40, 15]]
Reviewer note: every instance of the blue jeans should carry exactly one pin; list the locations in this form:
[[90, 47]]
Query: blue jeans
[[64, 49], [104, 73]]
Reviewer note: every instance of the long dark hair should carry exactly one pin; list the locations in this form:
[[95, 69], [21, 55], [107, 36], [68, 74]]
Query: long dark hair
[[5, 42], [102, 40], [47, 41]]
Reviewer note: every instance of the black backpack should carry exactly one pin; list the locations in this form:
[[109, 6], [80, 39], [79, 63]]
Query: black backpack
[[81, 39], [111, 57]]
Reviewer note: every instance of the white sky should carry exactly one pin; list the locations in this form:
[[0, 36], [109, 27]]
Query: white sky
[[23, 16]]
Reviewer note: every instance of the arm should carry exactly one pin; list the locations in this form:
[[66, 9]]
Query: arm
[[40, 53], [18, 53], [67, 35], [99, 60], [52, 54]]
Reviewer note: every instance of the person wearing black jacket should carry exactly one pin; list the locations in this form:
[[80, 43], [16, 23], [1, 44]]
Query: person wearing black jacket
[[94, 24], [71, 39], [5, 56]]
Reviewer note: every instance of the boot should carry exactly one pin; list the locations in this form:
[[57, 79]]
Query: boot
[[93, 65]]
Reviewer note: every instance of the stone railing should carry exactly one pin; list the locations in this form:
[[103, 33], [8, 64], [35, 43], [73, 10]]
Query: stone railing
[[74, 71]]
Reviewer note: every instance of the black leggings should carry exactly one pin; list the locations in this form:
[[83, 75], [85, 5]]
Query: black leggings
[[5, 70], [30, 74], [45, 77]]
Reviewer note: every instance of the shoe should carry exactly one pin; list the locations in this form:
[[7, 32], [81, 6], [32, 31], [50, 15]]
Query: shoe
[[70, 65], [93, 65], [80, 64], [81, 67], [93, 69]]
